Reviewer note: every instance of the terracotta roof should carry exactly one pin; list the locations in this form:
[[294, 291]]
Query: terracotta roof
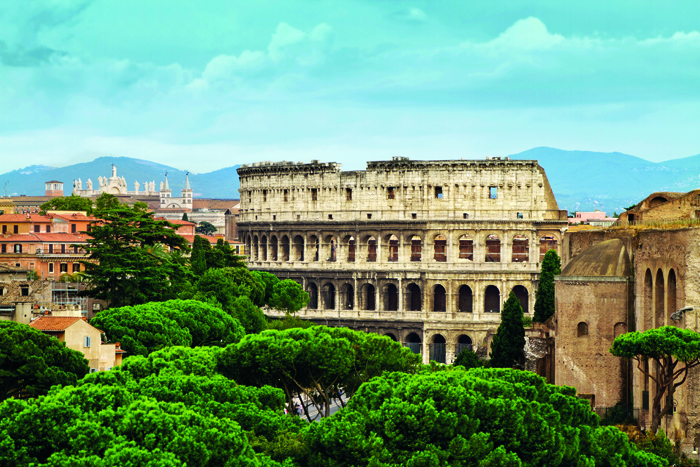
[[54, 323], [190, 238], [74, 217], [15, 218], [60, 237], [28, 237], [53, 181], [179, 222], [215, 204]]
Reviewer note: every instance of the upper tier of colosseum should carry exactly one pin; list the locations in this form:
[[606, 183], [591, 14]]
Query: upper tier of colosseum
[[490, 189]]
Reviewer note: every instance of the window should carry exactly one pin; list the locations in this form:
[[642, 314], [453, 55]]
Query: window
[[582, 329], [51, 248], [415, 248], [391, 193], [330, 216], [87, 341], [286, 195], [372, 250], [4, 229], [465, 216], [4, 248], [37, 228], [466, 248], [314, 194], [493, 249], [48, 229], [18, 248], [24, 290], [73, 228], [16, 229], [348, 194], [274, 217], [520, 215], [493, 192], [264, 196], [369, 216], [63, 248], [51, 268], [64, 267], [414, 215], [438, 192], [440, 249], [351, 250], [76, 267]]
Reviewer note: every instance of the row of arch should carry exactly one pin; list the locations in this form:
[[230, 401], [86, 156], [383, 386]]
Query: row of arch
[[264, 248], [437, 346], [660, 297], [325, 297]]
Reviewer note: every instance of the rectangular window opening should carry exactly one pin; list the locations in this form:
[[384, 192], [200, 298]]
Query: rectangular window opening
[[348, 194], [314, 194], [438, 192], [493, 192], [48, 229], [520, 215], [274, 217], [37, 228], [391, 193], [465, 216], [264, 196], [286, 195], [330, 216], [414, 216], [369, 216], [51, 267]]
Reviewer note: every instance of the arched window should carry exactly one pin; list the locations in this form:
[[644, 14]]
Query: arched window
[[298, 248], [438, 351], [521, 249], [466, 248], [273, 248], [330, 246], [465, 299], [413, 298], [440, 246], [285, 248], [620, 329], [313, 297], [464, 342], [393, 249], [371, 250], [548, 242], [255, 248], [660, 299], [522, 296], [315, 245], [329, 297], [492, 299], [347, 297], [671, 293], [368, 297], [648, 317], [416, 248], [391, 298], [391, 336], [263, 248], [493, 249], [439, 298], [413, 342], [350, 242], [582, 329]]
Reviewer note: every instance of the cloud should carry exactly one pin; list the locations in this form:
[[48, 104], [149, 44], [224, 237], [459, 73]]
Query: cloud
[[527, 34], [411, 15], [19, 56]]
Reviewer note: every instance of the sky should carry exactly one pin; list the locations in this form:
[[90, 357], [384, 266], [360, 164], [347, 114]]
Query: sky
[[201, 85]]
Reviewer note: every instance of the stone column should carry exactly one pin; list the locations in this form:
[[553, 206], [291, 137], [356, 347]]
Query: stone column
[[399, 308]]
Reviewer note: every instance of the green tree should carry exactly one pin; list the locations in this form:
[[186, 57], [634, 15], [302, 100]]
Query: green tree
[[198, 258], [248, 314], [673, 351], [31, 362], [67, 203], [289, 322], [468, 359], [289, 296], [127, 259], [225, 257], [205, 228], [544, 301], [107, 202], [208, 325], [226, 284], [268, 280], [141, 329], [480, 417], [509, 341], [184, 217]]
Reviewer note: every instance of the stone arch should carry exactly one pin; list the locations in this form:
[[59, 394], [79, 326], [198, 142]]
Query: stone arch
[[248, 245], [648, 306], [413, 342], [368, 297], [466, 248], [414, 298], [521, 249], [347, 296], [582, 329], [349, 242], [328, 294], [298, 248], [547, 242], [657, 201], [440, 248], [315, 247], [523, 297], [313, 296], [391, 336], [438, 349], [493, 249], [285, 248], [255, 248], [465, 299], [393, 251], [671, 292], [659, 315], [273, 248], [619, 329], [492, 299], [330, 247], [391, 297], [371, 244], [439, 298], [416, 247], [263, 248], [464, 342]]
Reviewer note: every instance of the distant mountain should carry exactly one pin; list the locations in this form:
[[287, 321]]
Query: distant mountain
[[584, 180], [30, 180], [581, 180]]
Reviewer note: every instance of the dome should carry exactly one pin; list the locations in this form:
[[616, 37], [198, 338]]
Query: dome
[[607, 258]]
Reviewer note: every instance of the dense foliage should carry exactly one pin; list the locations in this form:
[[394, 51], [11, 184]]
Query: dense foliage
[[205, 228], [31, 362], [288, 296], [544, 300], [67, 203], [128, 258], [668, 346], [493, 417], [468, 359], [509, 341]]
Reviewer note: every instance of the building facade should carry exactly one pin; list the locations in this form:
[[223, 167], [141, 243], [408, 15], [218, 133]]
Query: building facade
[[423, 251]]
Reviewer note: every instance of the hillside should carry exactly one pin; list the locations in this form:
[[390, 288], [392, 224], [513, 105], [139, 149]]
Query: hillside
[[222, 183]]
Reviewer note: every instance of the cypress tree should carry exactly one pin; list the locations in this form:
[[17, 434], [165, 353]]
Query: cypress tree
[[184, 217], [508, 343], [198, 260], [544, 303]]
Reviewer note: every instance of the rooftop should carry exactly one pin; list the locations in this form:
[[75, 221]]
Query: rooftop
[[607, 258]]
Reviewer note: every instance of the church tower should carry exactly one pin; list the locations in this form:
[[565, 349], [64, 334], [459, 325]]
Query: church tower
[[187, 193], [165, 193]]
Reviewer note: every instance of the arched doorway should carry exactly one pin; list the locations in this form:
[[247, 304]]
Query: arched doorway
[[464, 342], [522, 296], [660, 299], [347, 297], [263, 248], [648, 301], [439, 298], [313, 297], [438, 349], [414, 300], [273, 248], [391, 336], [368, 297], [492, 300], [466, 298], [413, 342], [285, 248], [391, 298], [298, 247], [329, 297], [671, 295]]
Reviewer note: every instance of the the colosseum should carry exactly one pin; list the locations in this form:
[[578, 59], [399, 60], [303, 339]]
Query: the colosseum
[[424, 251]]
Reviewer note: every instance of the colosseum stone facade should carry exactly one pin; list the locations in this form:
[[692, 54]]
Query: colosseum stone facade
[[423, 251]]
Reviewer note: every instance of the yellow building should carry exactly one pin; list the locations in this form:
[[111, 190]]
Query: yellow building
[[7, 206], [79, 335]]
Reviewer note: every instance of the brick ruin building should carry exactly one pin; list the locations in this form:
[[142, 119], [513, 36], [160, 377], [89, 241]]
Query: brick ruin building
[[423, 251], [631, 277]]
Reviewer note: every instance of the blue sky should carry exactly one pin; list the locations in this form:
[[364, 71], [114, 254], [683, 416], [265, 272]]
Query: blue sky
[[209, 84]]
